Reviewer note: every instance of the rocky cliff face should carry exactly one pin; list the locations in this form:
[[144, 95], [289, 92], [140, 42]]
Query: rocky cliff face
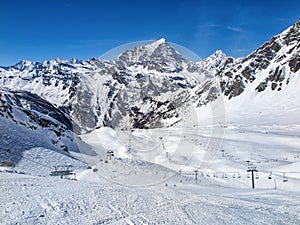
[[279, 57]]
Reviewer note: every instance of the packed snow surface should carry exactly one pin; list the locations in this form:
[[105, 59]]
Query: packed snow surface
[[140, 186]]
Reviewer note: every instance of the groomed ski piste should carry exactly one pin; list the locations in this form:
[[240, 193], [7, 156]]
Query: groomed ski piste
[[151, 179]]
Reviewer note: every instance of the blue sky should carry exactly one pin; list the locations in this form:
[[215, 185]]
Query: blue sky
[[43, 30]]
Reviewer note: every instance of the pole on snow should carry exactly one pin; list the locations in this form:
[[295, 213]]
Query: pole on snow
[[252, 169], [196, 175]]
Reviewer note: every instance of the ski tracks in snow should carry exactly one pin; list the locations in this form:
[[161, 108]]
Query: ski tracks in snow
[[58, 201]]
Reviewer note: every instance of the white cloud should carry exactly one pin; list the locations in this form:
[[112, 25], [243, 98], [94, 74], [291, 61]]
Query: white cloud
[[234, 29]]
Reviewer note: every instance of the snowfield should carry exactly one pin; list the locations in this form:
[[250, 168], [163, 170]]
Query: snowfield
[[142, 187], [36, 200]]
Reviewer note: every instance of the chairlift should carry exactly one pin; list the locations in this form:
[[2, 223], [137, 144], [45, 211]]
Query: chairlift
[[62, 171], [110, 154], [256, 176], [270, 176], [248, 175], [7, 163], [285, 179], [239, 175], [233, 176]]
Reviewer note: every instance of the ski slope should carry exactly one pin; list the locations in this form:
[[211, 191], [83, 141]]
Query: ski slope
[[143, 185], [47, 200]]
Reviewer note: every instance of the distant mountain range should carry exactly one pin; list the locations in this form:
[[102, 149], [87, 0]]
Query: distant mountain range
[[145, 87]]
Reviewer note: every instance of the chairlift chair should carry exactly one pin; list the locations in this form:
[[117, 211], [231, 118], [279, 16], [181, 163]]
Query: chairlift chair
[[285, 179], [270, 176]]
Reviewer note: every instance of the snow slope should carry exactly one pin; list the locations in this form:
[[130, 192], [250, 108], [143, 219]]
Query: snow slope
[[130, 189], [46, 200]]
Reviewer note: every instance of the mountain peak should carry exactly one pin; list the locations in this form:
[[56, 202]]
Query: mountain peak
[[161, 40], [154, 45], [219, 52], [213, 61], [217, 55], [158, 54], [23, 64]]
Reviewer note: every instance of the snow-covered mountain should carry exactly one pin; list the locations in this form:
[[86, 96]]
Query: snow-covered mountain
[[28, 121], [149, 86], [278, 57], [145, 87], [215, 61]]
